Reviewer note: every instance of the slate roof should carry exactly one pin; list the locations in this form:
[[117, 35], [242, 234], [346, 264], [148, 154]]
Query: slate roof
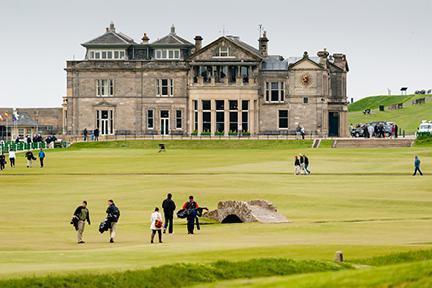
[[278, 63], [111, 38], [172, 39], [24, 120], [244, 45]]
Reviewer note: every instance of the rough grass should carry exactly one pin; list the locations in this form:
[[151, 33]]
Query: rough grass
[[179, 275]]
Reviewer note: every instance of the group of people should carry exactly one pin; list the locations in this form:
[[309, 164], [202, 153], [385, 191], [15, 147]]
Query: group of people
[[29, 156], [301, 165], [94, 134], [158, 224], [378, 130], [300, 132]]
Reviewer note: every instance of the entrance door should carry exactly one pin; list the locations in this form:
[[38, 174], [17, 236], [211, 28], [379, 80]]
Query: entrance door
[[105, 122], [164, 125], [333, 119]]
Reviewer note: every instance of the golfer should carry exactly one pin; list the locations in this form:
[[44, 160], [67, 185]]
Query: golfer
[[41, 157], [168, 206], [30, 157], [12, 158], [296, 165], [83, 215], [113, 215], [191, 207]]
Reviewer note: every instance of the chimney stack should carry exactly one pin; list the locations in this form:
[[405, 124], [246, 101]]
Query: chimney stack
[[198, 42], [145, 39], [323, 56], [111, 27], [263, 40], [173, 29], [340, 61]]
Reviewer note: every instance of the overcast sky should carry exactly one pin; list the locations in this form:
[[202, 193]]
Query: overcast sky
[[387, 42]]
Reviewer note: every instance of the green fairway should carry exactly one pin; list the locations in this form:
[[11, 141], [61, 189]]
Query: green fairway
[[361, 201]]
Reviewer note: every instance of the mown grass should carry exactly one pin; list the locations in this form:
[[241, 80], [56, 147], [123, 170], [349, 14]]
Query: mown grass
[[197, 144], [179, 275]]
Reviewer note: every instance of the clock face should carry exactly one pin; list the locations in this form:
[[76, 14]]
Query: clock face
[[306, 79]]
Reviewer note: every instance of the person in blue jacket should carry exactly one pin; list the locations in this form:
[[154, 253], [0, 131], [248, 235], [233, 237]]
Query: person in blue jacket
[[41, 157], [417, 166]]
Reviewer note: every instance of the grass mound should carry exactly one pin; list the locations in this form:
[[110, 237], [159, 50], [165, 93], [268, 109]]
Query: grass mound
[[198, 144], [397, 258], [180, 275], [373, 102]]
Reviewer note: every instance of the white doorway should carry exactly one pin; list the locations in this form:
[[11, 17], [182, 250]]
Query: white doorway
[[104, 121], [164, 122]]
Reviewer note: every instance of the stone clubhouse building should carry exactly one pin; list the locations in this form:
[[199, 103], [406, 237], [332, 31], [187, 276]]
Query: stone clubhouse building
[[173, 87]]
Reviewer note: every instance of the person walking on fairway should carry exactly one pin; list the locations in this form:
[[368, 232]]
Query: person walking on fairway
[[12, 158], [2, 161], [113, 215], [168, 206], [306, 164], [156, 225], [296, 165], [30, 157], [417, 166], [82, 214], [41, 157], [302, 164], [191, 207]]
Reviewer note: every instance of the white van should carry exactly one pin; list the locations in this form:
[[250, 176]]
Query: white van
[[425, 127]]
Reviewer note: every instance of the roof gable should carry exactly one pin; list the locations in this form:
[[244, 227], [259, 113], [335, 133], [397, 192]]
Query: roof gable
[[305, 63], [172, 39], [238, 50], [110, 37]]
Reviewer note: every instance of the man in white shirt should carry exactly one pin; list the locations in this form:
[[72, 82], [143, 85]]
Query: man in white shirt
[[12, 158]]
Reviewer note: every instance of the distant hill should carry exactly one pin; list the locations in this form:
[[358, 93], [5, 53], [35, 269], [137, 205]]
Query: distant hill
[[407, 118], [373, 102]]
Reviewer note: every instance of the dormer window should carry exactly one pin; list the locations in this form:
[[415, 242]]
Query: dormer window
[[223, 52], [167, 54], [106, 55]]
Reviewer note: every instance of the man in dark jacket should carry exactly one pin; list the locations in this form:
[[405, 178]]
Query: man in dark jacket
[[113, 215], [191, 206], [169, 207], [30, 157], [306, 164], [82, 214], [96, 134], [417, 166]]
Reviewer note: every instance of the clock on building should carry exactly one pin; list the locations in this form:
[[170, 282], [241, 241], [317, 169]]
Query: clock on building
[[306, 79]]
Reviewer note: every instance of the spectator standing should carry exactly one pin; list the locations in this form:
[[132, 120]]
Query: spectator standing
[[82, 214], [156, 225], [296, 165], [85, 133], [417, 166], [302, 132], [30, 157], [17, 140], [396, 130], [41, 157], [12, 157], [168, 206], [191, 207], [113, 215], [92, 135], [96, 134], [371, 130]]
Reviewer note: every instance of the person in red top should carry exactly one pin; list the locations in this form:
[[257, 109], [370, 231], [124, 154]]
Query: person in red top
[[191, 208]]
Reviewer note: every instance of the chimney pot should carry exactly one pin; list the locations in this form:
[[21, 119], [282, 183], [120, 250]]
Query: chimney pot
[[198, 42]]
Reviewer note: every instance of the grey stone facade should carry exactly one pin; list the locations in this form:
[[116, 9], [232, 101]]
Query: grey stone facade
[[171, 86]]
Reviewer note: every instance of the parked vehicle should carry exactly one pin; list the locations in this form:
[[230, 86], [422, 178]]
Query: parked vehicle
[[359, 131], [425, 127]]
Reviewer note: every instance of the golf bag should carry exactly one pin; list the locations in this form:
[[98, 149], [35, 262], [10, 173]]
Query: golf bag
[[74, 221], [104, 226]]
